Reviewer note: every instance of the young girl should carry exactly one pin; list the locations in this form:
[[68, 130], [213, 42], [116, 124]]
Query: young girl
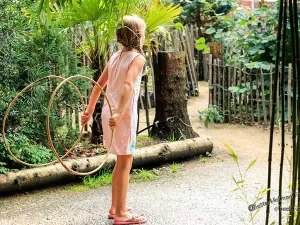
[[122, 74]]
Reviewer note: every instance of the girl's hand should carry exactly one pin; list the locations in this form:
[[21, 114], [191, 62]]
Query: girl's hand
[[114, 120], [85, 118]]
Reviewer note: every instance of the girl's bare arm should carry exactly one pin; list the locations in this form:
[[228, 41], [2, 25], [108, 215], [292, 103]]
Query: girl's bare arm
[[127, 90], [102, 81], [128, 85]]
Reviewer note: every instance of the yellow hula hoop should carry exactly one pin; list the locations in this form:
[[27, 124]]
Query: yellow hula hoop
[[48, 128], [8, 110]]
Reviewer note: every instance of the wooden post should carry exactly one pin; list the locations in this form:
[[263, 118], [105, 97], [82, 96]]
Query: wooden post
[[263, 97], [190, 75], [229, 94], [246, 97], [210, 83], [257, 98], [223, 86], [251, 98], [147, 101], [215, 82], [289, 96], [240, 95], [210, 62], [234, 94], [219, 85], [152, 75], [189, 51], [205, 61]]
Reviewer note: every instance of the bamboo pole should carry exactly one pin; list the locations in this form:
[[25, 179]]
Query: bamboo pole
[[282, 110], [273, 112], [289, 96], [271, 89], [293, 15]]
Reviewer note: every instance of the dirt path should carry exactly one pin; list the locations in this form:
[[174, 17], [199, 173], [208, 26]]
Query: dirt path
[[199, 194]]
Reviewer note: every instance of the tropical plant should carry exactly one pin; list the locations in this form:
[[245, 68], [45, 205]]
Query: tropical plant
[[210, 115], [92, 24], [249, 36]]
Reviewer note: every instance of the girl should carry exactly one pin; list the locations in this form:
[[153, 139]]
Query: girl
[[122, 74]]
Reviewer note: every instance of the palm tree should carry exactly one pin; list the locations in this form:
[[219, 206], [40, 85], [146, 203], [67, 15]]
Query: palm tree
[[96, 21]]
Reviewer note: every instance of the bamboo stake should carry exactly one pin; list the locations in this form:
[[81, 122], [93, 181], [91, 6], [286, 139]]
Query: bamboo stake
[[271, 89], [289, 96], [282, 110], [273, 112], [294, 30]]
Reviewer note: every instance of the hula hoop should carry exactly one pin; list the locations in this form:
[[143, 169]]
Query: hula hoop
[[48, 128], [8, 110]]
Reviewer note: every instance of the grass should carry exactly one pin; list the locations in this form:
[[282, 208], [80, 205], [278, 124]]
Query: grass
[[145, 175], [144, 140], [172, 139], [202, 159], [174, 167], [103, 179]]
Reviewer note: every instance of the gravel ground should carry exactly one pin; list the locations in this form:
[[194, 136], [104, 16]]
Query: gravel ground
[[198, 194]]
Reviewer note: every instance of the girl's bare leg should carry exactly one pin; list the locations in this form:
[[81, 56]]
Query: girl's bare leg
[[113, 192], [114, 199]]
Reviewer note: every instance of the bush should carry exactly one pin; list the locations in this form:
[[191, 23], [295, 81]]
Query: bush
[[23, 149], [210, 115]]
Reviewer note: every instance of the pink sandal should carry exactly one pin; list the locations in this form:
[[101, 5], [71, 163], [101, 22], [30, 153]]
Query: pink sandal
[[130, 221], [112, 216]]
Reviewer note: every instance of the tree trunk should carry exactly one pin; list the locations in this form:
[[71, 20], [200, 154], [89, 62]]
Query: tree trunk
[[55, 174], [97, 132], [217, 50], [171, 101]]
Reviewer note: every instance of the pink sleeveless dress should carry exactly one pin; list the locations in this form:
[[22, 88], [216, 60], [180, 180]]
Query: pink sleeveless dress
[[125, 132]]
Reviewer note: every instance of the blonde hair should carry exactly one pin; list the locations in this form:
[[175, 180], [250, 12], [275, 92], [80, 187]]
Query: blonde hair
[[129, 32]]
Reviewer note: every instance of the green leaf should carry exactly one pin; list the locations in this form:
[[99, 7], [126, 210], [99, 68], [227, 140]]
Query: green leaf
[[235, 189], [251, 164], [200, 46], [234, 89], [243, 22], [178, 25], [231, 152], [200, 40], [210, 30]]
